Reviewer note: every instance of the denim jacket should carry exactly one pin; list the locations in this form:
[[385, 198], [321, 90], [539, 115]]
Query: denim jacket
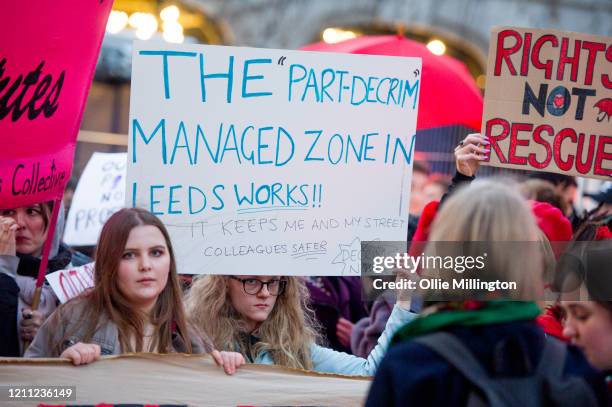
[[330, 361], [107, 336]]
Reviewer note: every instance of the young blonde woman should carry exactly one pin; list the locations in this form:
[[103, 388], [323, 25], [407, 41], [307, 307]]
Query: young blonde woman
[[267, 319], [135, 305]]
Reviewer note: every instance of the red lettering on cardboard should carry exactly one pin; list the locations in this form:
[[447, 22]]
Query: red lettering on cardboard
[[69, 285], [602, 155], [585, 167], [535, 54], [513, 158], [503, 54], [493, 139], [565, 165], [525, 59], [538, 139], [605, 78], [564, 59]]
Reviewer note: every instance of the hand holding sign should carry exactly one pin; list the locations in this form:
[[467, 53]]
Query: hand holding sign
[[470, 152]]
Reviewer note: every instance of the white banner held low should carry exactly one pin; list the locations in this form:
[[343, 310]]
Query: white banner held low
[[69, 283], [99, 194], [265, 161]]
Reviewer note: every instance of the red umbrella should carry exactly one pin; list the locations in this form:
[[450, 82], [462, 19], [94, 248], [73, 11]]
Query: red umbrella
[[449, 95]]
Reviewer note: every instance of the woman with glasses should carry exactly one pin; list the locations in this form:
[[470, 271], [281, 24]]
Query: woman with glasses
[[267, 319]]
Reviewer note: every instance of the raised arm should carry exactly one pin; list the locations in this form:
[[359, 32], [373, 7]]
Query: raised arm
[[331, 361]]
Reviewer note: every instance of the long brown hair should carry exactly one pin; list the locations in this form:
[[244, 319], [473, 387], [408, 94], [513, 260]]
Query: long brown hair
[[286, 334], [106, 302]]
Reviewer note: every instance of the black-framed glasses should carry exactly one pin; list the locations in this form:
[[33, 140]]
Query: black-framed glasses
[[253, 286]]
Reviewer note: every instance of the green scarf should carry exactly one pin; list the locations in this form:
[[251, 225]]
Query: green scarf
[[492, 312]]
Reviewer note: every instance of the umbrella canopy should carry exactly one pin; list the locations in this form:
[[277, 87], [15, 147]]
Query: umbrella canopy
[[449, 95]]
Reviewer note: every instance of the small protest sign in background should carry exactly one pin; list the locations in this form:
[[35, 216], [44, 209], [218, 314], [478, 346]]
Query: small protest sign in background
[[548, 102], [99, 194], [49, 52], [267, 161], [69, 283]]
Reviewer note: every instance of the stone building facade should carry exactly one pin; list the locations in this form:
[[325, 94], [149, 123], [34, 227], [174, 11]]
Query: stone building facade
[[293, 23], [290, 24]]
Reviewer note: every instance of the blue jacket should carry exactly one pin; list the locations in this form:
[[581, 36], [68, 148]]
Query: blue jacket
[[413, 375], [331, 361]]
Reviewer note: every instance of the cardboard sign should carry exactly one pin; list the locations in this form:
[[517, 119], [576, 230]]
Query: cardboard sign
[[148, 378], [548, 102], [48, 53], [69, 283], [267, 161], [99, 194]]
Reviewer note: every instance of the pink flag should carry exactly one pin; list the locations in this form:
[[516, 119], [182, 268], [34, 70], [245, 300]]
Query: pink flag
[[48, 52]]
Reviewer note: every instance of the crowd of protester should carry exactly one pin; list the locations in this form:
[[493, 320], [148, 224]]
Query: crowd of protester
[[425, 352]]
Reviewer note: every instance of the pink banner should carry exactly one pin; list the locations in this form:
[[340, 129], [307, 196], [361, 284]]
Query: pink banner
[[48, 52]]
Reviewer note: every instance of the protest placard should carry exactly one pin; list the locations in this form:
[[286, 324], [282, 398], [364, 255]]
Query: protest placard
[[267, 161], [548, 102], [99, 194], [67, 284], [49, 52]]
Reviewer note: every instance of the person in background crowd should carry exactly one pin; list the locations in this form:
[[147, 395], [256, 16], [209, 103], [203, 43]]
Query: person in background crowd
[[603, 198], [588, 324], [69, 192], [23, 232], [365, 333], [595, 225], [499, 337], [337, 304], [543, 191], [436, 186], [269, 321], [565, 186], [420, 176], [135, 305], [9, 294]]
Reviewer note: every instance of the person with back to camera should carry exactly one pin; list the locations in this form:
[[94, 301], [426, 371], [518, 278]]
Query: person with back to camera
[[485, 347]]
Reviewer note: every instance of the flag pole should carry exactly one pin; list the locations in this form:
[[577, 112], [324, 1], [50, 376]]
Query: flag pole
[[42, 271]]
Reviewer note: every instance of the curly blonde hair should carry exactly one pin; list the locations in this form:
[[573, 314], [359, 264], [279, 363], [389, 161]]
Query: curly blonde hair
[[286, 334]]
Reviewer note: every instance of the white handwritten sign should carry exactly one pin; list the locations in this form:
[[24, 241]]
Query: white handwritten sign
[[69, 283], [99, 194], [270, 161]]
